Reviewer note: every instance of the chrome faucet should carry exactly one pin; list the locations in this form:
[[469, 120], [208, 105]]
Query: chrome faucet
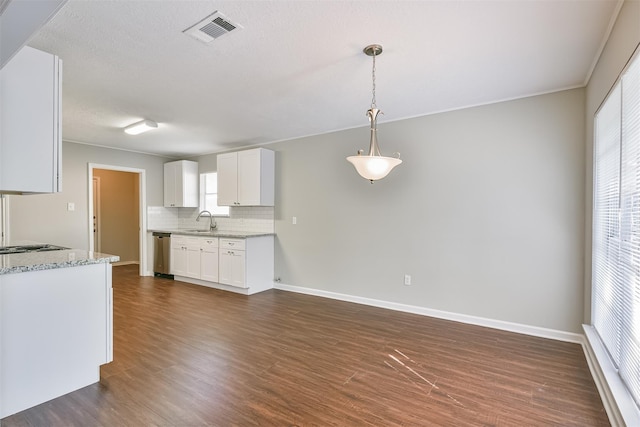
[[212, 223]]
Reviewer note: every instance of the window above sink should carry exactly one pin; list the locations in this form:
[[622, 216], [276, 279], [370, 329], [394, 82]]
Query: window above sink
[[209, 195]]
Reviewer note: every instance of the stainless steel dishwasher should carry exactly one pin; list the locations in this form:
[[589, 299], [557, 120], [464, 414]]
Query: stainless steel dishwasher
[[161, 254]]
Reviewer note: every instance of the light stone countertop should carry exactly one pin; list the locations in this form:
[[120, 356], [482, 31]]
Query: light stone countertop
[[34, 261], [215, 233]]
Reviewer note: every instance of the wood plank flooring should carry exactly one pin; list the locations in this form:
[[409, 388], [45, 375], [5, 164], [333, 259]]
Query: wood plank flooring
[[187, 355]]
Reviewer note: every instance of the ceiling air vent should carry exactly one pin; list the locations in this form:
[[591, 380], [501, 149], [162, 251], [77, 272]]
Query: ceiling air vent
[[211, 27]]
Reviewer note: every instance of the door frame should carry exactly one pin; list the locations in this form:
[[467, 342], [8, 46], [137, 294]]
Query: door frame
[[97, 226], [4, 220], [142, 220]]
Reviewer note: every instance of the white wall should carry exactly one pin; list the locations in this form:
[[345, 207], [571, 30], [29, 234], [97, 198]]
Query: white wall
[[44, 218], [486, 213], [624, 39]]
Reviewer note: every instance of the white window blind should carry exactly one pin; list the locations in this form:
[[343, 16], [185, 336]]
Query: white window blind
[[616, 227]]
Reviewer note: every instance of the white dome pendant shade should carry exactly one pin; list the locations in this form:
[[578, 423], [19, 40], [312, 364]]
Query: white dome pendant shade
[[373, 166]]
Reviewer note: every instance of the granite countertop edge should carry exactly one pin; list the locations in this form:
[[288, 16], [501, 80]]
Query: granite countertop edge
[[217, 233], [37, 261]]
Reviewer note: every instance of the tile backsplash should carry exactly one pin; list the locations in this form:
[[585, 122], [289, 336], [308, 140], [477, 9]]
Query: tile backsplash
[[244, 218]]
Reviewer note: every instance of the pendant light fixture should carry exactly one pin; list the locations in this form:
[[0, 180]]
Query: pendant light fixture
[[373, 166]]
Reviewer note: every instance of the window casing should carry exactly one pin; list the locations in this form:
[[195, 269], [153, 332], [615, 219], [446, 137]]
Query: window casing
[[616, 227], [209, 195]]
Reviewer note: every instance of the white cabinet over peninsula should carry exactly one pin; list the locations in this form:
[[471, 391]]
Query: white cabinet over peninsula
[[56, 324], [30, 123]]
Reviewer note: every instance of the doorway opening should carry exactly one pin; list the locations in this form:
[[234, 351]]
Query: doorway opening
[[117, 213]]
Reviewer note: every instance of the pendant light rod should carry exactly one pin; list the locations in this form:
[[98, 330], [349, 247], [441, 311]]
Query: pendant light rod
[[372, 113], [373, 50]]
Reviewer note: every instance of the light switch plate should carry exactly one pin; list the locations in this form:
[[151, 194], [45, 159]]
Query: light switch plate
[[71, 206]]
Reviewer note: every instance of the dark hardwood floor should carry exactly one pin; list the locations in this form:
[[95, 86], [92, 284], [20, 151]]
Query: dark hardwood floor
[[187, 355]]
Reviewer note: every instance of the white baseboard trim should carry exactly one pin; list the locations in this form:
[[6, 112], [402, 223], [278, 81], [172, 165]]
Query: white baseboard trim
[[463, 318], [119, 263]]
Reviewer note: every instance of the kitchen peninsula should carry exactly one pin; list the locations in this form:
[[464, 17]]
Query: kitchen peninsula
[[55, 324]]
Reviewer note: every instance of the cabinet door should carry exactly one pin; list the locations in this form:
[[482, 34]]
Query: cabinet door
[[238, 268], [249, 177], [30, 131], [192, 248], [209, 264], [187, 195], [181, 184], [178, 257], [170, 172], [228, 179], [256, 177], [232, 267], [224, 266], [193, 262]]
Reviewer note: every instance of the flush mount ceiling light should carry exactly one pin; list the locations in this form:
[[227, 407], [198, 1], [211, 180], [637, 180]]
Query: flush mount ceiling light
[[140, 127], [373, 166]]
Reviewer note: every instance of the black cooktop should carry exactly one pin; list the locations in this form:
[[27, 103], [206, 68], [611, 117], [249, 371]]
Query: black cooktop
[[6, 250]]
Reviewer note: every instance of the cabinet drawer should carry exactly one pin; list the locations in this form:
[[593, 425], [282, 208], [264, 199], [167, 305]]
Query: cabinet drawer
[[232, 244], [178, 242], [192, 243], [208, 242]]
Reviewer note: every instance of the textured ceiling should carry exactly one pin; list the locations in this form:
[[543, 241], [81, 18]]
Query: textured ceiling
[[297, 67]]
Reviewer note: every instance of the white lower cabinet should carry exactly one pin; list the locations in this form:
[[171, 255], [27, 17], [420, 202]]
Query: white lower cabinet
[[195, 257], [57, 329], [239, 265], [232, 262], [209, 259], [178, 261]]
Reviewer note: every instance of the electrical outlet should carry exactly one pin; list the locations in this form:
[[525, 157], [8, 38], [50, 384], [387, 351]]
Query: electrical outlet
[[294, 220], [407, 279], [71, 207]]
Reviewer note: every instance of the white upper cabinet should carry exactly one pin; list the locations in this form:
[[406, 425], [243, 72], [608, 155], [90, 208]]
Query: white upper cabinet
[[30, 123], [181, 184], [228, 179], [246, 178]]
